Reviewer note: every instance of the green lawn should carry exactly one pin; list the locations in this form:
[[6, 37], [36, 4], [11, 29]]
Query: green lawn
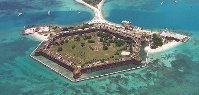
[[88, 52]]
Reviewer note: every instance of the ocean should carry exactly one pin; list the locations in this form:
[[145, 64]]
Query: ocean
[[173, 72]]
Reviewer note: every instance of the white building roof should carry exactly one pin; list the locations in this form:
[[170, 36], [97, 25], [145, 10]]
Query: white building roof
[[125, 53]]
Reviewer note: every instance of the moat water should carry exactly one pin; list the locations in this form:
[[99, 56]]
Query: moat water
[[174, 71]]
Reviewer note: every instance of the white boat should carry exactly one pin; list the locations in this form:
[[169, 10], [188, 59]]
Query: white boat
[[49, 12], [125, 21], [175, 1], [79, 12], [19, 14], [162, 3]]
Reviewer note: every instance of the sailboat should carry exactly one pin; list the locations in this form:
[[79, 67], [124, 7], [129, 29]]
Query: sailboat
[[49, 12], [162, 3]]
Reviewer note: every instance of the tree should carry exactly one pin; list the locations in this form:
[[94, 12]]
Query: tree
[[101, 40], [99, 34], [91, 47], [73, 46], [157, 41], [172, 38], [87, 37], [110, 37], [85, 25], [111, 41], [131, 49], [77, 38], [65, 29], [59, 49], [112, 57], [119, 43], [62, 42], [105, 48], [66, 41], [117, 53], [124, 48], [82, 44], [108, 44], [91, 41]]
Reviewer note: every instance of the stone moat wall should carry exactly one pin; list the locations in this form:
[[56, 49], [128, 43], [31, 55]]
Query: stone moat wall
[[108, 66], [86, 69], [52, 58]]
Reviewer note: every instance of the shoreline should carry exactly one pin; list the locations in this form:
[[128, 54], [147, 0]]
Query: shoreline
[[164, 47]]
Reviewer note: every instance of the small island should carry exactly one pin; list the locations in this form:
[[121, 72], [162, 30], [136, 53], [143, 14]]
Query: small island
[[98, 44]]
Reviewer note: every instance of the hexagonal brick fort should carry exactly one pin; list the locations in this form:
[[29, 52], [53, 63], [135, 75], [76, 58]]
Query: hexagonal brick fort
[[74, 63]]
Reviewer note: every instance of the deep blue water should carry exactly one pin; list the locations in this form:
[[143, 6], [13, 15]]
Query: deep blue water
[[56, 17], [171, 15], [172, 72]]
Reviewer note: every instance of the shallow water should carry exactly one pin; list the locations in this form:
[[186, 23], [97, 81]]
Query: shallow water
[[172, 72]]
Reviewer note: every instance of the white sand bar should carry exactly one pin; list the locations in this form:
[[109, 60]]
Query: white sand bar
[[98, 13]]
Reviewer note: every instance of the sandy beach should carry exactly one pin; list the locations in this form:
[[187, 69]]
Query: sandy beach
[[162, 48], [40, 37]]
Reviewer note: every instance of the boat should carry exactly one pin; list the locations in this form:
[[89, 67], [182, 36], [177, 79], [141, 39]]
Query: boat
[[19, 14], [162, 3], [49, 12], [125, 21]]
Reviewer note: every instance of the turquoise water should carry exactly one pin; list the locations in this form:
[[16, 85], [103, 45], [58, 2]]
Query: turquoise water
[[172, 72]]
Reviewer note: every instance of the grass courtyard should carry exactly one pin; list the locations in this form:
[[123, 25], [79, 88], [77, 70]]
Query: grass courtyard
[[90, 47]]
